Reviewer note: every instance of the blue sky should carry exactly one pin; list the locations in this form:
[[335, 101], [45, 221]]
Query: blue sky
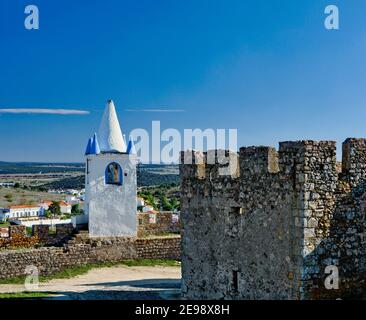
[[266, 67]]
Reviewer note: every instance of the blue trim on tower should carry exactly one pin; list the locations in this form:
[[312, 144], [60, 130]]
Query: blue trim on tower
[[88, 147], [95, 145], [131, 147]]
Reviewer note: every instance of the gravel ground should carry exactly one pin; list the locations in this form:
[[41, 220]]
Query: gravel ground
[[115, 283]]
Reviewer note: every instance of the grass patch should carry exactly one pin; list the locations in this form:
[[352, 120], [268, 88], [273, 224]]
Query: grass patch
[[151, 263], [163, 234], [16, 280], [25, 295], [18, 196], [4, 224], [64, 274], [29, 231], [80, 270]]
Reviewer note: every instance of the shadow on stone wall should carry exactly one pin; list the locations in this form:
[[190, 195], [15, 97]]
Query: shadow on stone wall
[[344, 247]]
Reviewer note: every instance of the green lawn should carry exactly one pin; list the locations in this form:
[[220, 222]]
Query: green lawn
[[76, 271], [163, 234], [24, 295], [151, 263], [4, 224]]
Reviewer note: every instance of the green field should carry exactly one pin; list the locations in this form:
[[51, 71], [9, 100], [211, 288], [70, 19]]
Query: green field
[[4, 224], [71, 175], [25, 295], [18, 196]]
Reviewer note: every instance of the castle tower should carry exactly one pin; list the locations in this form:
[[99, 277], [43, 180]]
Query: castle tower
[[110, 180]]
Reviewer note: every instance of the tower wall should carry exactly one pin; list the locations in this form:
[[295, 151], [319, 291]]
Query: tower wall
[[270, 230], [111, 208], [239, 234]]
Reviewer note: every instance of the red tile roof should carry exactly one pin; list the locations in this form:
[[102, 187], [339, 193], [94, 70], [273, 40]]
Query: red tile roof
[[23, 207], [62, 203]]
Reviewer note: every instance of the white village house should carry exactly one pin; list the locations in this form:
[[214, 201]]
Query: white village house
[[64, 206], [31, 211], [72, 199], [147, 208], [140, 202], [21, 211]]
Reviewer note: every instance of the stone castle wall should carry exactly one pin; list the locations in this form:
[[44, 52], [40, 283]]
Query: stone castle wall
[[159, 248], [163, 224], [50, 260], [18, 238], [269, 229]]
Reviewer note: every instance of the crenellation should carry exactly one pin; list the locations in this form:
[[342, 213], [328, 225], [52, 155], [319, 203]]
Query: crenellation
[[258, 160], [274, 228], [221, 164], [194, 164], [354, 160]]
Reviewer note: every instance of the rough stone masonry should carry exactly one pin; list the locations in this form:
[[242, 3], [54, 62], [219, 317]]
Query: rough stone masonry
[[269, 230], [79, 251]]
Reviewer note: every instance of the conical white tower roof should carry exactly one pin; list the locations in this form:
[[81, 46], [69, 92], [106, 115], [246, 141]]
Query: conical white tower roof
[[110, 135]]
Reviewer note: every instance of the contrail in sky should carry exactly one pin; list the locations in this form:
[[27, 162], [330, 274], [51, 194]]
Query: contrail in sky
[[155, 110], [44, 111]]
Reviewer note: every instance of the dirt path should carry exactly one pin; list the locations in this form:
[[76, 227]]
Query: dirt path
[[113, 283]]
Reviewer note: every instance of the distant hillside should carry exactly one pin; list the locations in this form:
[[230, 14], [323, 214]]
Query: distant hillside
[[147, 175], [36, 168], [67, 183], [157, 174], [145, 179]]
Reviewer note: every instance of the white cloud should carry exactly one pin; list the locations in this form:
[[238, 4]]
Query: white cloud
[[45, 111]]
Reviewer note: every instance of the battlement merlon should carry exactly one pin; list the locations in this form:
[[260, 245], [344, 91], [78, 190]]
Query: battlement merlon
[[258, 160], [306, 155], [354, 160], [192, 164], [211, 164], [292, 158]]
